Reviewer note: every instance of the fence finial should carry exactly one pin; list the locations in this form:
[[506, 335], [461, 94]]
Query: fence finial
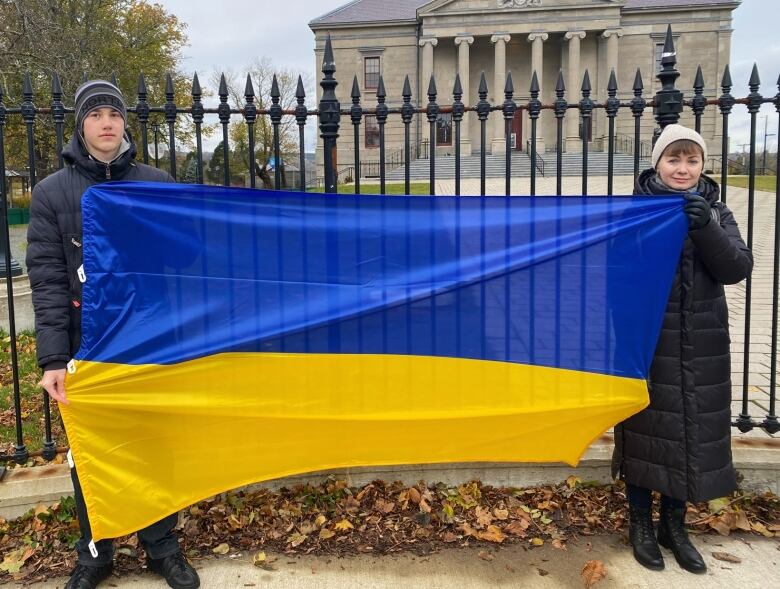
[[560, 86], [196, 86], [249, 89], [56, 86], [457, 89], [586, 87], [300, 91], [509, 87], [612, 86]]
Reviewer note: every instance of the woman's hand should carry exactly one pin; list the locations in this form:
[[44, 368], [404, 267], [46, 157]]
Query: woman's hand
[[698, 211]]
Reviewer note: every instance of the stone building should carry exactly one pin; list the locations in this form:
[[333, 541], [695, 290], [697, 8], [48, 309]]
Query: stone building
[[420, 38]]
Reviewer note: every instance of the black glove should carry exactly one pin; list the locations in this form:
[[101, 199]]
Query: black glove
[[698, 211]]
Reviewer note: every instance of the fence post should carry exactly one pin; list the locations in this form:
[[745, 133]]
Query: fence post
[[668, 100], [330, 117]]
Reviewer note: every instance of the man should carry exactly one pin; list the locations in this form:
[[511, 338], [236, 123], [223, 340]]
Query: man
[[100, 150]]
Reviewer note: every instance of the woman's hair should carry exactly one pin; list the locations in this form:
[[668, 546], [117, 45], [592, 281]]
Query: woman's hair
[[683, 147]]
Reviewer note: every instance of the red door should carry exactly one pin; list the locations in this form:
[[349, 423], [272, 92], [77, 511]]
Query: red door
[[517, 130]]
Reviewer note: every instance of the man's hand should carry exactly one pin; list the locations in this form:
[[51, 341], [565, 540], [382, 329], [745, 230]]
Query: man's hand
[[698, 211], [54, 383]]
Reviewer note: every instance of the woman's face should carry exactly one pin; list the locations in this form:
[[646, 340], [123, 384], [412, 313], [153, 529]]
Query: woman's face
[[680, 171]]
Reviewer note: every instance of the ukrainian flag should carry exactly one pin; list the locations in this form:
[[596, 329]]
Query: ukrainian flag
[[231, 336]]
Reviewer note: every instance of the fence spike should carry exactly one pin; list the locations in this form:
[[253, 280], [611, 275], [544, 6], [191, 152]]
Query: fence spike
[[223, 92], [534, 83], [586, 88], [755, 80], [27, 91], [483, 89], [432, 89], [726, 83], [407, 90], [168, 85], [698, 82], [612, 86], [509, 87], [638, 84], [355, 94], [328, 61], [56, 86], [457, 89], [249, 89], [275, 94], [196, 86], [380, 89], [300, 91], [669, 42], [560, 86], [142, 85]]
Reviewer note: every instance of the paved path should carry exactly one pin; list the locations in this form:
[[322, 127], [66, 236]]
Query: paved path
[[486, 567]]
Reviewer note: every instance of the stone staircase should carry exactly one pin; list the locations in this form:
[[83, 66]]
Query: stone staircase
[[495, 166]]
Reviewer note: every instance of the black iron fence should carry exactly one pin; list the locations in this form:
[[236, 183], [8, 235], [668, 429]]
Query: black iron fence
[[667, 104]]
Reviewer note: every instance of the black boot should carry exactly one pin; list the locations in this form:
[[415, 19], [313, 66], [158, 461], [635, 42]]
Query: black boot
[[176, 570], [673, 535], [642, 536], [84, 577]]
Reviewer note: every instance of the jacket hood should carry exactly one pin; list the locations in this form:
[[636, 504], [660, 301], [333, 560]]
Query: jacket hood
[[76, 154], [648, 183]]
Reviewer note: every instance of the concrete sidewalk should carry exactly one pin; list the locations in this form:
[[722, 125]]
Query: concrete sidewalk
[[486, 567]]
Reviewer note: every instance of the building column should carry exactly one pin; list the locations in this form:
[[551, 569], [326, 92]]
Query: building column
[[612, 36], [573, 86], [537, 65], [463, 42], [499, 81], [427, 44]]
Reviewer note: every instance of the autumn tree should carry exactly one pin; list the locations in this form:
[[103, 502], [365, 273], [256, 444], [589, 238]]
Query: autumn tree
[[97, 38]]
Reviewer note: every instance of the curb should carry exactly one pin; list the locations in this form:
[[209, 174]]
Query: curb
[[757, 461]]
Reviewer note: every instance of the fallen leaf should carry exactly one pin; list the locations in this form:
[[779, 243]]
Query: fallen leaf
[[259, 559], [593, 572], [492, 534], [557, 543], [761, 529], [384, 506], [449, 537], [484, 555], [726, 557], [572, 481], [296, 539], [483, 516], [716, 505], [517, 528], [14, 560], [542, 572], [501, 514], [320, 521], [537, 542], [344, 525], [414, 495], [221, 549], [325, 534]]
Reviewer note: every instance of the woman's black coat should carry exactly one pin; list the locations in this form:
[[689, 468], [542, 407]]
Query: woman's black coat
[[681, 444]]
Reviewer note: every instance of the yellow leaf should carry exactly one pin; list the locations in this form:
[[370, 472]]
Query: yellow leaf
[[761, 529], [320, 521], [492, 534], [233, 522], [259, 559], [344, 525], [14, 560], [296, 539], [593, 572], [325, 533], [221, 549], [719, 504], [537, 542], [573, 481]]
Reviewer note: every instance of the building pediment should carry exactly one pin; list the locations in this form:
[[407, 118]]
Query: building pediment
[[449, 7]]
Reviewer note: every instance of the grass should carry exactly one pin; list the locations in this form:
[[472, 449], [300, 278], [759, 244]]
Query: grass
[[33, 427], [766, 183], [416, 188]]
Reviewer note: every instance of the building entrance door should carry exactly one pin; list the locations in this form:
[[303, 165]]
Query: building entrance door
[[517, 131]]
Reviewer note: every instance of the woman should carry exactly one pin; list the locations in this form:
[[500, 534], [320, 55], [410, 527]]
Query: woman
[[680, 445]]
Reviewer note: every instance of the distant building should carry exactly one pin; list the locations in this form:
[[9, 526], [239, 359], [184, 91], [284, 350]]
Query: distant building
[[418, 38]]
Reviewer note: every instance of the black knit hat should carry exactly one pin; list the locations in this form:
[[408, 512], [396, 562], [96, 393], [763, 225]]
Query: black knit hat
[[97, 94]]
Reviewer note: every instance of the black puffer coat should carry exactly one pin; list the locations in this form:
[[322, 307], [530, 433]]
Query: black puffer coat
[[681, 444], [54, 245]]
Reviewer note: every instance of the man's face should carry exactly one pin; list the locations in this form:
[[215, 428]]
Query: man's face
[[680, 171], [103, 131]]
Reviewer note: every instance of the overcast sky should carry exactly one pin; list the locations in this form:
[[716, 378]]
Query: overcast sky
[[246, 29]]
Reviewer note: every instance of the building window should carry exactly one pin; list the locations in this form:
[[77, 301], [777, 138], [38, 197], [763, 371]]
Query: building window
[[372, 130], [444, 129], [659, 51], [371, 73]]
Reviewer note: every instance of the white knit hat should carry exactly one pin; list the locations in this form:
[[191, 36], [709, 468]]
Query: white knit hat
[[672, 133]]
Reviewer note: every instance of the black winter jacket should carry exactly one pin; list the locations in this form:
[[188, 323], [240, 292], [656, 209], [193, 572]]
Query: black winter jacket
[[681, 444], [54, 245]]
